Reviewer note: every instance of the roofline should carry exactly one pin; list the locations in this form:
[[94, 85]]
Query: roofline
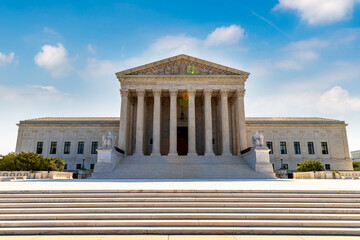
[[180, 56], [116, 120]]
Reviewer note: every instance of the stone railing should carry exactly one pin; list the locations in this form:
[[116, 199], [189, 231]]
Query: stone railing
[[37, 174], [327, 175]]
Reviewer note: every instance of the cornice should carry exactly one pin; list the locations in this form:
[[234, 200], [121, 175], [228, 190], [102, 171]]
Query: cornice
[[181, 57]]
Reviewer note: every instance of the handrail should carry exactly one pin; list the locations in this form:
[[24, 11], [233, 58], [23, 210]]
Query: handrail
[[246, 150]]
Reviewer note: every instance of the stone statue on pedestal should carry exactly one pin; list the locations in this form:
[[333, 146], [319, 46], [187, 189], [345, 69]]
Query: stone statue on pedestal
[[108, 141], [258, 140]]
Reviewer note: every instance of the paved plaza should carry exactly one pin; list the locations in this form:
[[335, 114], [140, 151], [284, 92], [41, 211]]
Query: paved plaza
[[117, 184]]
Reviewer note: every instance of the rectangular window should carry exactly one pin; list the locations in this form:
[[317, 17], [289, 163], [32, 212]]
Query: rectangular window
[[270, 146], [53, 147], [80, 148], [324, 148], [327, 166], [39, 147], [311, 148], [92, 166], [94, 146], [67, 148], [65, 167], [286, 166], [78, 166], [283, 148], [297, 148]]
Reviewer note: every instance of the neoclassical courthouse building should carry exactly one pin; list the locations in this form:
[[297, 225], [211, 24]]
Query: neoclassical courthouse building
[[183, 117]]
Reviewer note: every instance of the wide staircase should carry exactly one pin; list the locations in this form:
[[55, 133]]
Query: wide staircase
[[180, 212], [180, 167]]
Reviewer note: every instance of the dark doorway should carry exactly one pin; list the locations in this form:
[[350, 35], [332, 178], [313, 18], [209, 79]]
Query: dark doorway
[[182, 140]]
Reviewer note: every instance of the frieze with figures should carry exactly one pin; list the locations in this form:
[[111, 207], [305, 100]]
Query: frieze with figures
[[182, 67]]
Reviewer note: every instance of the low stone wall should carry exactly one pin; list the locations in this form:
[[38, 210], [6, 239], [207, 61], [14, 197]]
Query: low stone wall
[[37, 175], [326, 175]]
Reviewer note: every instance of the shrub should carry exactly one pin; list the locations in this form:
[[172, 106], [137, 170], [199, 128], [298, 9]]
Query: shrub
[[356, 166], [310, 165], [30, 162]]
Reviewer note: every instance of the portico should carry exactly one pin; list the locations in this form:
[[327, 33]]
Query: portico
[[182, 101]]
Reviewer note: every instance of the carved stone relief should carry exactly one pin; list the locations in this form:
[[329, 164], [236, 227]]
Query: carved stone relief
[[179, 67]]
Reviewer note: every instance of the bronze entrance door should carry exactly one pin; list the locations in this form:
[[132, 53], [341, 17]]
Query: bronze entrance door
[[182, 140]]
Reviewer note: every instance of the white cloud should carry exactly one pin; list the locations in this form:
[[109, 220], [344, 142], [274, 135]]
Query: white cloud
[[6, 59], [54, 59], [319, 11], [30, 94], [91, 49], [225, 35], [334, 102], [100, 69], [172, 45], [165, 47], [50, 31], [338, 99], [301, 52], [26, 102], [289, 64]]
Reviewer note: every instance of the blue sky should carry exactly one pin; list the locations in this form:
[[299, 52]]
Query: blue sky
[[58, 58]]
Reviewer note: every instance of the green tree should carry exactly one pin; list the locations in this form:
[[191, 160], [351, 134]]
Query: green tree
[[310, 165], [356, 166], [30, 162]]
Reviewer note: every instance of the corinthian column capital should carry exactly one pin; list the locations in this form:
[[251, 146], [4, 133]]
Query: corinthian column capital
[[240, 92], [124, 92], [140, 92], [208, 92], [157, 92], [173, 92], [191, 92], [224, 92]]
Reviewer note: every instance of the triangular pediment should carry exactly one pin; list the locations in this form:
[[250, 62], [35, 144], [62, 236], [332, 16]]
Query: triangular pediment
[[182, 65]]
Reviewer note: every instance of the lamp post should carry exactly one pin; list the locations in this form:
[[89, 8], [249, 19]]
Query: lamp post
[[83, 169], [282, 170], [83, 164]]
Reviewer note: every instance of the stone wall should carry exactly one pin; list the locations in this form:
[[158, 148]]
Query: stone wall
[[299, 131], [275, 130]]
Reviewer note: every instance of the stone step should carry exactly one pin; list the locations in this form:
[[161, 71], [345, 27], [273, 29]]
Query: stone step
[[94, 216], [176, 199], [180, 204], [183, 223], [183, 230], [179, 210], [179, 195], [187, 191]]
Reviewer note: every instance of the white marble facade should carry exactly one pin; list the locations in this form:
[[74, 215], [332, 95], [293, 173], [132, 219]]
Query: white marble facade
[[189, 107]]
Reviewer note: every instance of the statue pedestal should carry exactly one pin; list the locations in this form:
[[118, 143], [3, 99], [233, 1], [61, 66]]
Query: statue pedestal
[[107, 159], [258, 158]]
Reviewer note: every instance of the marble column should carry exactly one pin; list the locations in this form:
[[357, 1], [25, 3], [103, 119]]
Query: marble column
[[173, 123], [191, 124], [156, 123], [208, 124], [241, 126], [123, 119], [139, 122], [225, 122]]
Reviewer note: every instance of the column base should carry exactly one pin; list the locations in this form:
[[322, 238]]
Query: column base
[[192, 154], [226, 154], [209, 154], [155, 154], [173, 154]]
